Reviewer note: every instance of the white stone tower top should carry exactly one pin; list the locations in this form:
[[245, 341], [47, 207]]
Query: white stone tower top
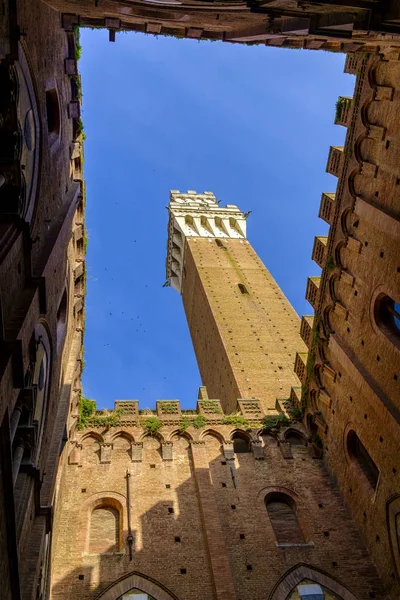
[[197, 215]]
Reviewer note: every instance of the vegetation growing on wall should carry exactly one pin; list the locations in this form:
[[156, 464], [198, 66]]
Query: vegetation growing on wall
[[199, 422], [273, 423], [151, 425], [236, 421]]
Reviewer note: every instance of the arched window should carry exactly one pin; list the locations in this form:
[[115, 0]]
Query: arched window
[[295, 439], [104, 535], [136, 594], [240, 444], [282, 513], [387, 317], [358, 453]]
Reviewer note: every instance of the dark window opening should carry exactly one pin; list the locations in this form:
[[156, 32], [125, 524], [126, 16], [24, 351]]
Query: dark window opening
[[358, 452], [387, 316], [242, 288], [282, 513], [219, 244], [240, 445], [53, 112]]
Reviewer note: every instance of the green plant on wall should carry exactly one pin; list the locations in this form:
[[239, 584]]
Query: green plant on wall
[[274, 422], [184, 425], [199, 422], [236, 421], [169, 407], [297, 413], [330, 263], [151, 425], [86, 410], [78, 47], [210, 406]]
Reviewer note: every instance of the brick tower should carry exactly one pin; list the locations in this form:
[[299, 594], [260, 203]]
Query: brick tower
[[245, 333]]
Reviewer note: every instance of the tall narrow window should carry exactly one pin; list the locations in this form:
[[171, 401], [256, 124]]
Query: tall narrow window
[[387, 316], [282, 513], [104, 530], [242, 288], [358, 452], [53, 112]]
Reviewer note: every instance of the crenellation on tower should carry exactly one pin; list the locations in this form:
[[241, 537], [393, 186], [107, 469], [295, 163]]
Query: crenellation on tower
[[197, 215]]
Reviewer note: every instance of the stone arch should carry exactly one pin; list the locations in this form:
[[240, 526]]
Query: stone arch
[[302, 571], [139, 581], [176, 433], [352, 182], [123, 434], [327, 318], [212, 433], [122, 444], [295, 434], [393, 525], [92, 434], [338, 253], [158, 436], [90, 452]]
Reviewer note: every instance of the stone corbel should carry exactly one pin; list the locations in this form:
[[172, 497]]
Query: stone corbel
[[257, 449], [105, 452], [286, 449], [228, 451], [137, 451], [75, 455], [166, 449]]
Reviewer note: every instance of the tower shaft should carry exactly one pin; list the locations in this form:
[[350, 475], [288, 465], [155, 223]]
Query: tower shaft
[[244, 331]]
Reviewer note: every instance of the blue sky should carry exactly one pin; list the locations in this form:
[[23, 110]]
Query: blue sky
[[253, 125]]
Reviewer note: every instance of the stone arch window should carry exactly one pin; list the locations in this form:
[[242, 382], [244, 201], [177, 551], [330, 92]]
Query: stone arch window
[[105, 530], [295, 438], [387, 317], [242, 288], [53, 113], [361, 457], [282, 512], [240, 443]]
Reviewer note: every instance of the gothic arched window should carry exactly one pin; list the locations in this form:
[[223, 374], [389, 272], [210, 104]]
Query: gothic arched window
[[282, 513], [387, 316]]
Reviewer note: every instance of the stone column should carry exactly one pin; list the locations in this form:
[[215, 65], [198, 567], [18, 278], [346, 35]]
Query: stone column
[[217, 553]]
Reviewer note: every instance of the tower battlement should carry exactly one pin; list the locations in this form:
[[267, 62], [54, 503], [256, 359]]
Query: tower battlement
[[198, 215]]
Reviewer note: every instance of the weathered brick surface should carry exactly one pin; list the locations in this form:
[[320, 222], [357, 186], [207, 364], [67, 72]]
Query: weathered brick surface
[[364, 392], [245, 344], [208, 518], [38, 252]]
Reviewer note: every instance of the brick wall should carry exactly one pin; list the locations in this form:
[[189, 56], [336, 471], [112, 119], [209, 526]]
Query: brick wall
[[199, 523], [360, 389], [245, 343]]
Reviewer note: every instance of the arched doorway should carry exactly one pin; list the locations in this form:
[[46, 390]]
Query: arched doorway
[[136, 587]]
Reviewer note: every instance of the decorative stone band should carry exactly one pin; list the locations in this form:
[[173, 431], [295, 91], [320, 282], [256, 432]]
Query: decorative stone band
[[198, 215]]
